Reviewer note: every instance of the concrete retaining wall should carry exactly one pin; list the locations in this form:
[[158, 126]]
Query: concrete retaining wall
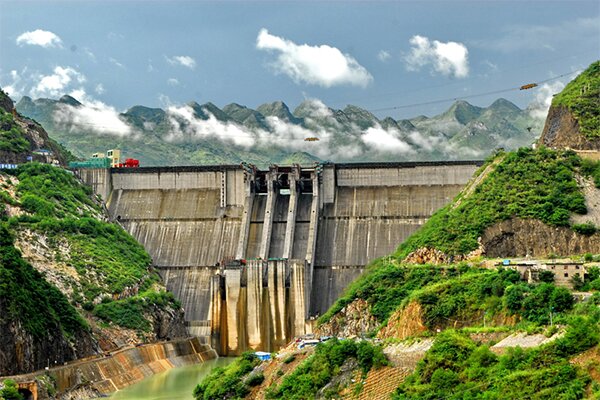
[[123, 368]]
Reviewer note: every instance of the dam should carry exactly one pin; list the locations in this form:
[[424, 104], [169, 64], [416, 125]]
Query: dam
[[255, 255]]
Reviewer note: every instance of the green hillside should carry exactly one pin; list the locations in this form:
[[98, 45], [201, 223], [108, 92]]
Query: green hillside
[[582, 97], [538, 184], [108, 262]]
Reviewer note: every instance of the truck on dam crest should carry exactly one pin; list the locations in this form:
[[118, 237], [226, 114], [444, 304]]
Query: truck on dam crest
[[305, 232]]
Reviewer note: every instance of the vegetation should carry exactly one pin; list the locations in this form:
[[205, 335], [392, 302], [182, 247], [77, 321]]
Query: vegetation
[[107, 259], [47, 191], [385, 285], [582, 97], [12, 137], [315, 372], [591, 169], [29, 298], [456, 368], [129, 312], [227, 382], [538, 184], [10, 391]]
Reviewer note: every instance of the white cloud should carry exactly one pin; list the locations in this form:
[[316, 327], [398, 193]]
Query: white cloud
[[318, 65], [450, 58], [173, 81], [184, 61], [115, 36], [57, 83], [383, 55], [538, 108], [15, 88], [425, 142], [99, 89], [116, 62], [185, 126], [385, 141], [92, 116], [90, 54], [39, 37]]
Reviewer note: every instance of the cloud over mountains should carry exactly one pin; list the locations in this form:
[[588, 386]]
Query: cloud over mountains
[[316, 65], [450, 58]]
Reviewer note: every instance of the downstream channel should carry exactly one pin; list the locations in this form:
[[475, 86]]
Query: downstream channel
[[174, 384]]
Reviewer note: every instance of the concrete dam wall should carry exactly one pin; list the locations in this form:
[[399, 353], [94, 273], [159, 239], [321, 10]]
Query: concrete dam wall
[[255, 255]]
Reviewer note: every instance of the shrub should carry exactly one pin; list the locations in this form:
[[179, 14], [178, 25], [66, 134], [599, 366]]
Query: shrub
[[255, 380], [587, 228], [538, 184], [10, 391]]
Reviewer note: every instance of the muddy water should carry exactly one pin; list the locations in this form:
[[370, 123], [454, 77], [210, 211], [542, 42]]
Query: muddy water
[[174, 384]]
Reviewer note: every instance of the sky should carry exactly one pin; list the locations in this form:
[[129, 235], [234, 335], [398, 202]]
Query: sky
[[394, 58]]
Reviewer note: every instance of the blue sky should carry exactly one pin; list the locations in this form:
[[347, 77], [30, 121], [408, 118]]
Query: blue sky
[[376, 55]]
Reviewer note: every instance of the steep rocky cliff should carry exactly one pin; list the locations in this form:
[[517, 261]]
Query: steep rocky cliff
[[574, 118], [21, 137], [519, 237]]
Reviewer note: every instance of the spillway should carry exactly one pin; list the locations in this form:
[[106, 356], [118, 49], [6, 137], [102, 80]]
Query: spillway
[[254, 255]]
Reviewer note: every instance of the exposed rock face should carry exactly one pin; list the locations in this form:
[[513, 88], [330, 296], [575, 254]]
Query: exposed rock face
[[562, 131], [353, 320], [518, 237], [35, 135], [404, 323], [6, 103], [168, 323], [22, 352], [427, 255]]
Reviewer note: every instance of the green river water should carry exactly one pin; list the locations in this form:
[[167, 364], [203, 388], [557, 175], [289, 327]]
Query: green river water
[[174, 384]]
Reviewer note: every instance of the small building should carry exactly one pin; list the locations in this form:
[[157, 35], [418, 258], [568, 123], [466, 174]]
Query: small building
[[563, 271]]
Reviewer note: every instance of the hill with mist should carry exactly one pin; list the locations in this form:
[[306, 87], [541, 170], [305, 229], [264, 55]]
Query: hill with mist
[[205, 134]]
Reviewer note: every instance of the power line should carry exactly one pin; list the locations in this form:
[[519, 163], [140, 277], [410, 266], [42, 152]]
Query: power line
[[466, 97]]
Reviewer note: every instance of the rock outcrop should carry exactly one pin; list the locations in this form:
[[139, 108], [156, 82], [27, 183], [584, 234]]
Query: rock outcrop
[[562, 131], [41, 147], [519, 237], [24, 352], [404, 323], [355, 319]]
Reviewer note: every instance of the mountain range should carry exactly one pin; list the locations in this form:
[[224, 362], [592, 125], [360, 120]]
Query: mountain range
[[206, 134]]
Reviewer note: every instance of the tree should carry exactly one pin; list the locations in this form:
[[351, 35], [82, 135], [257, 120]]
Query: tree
[[10, 391], [546, 276]]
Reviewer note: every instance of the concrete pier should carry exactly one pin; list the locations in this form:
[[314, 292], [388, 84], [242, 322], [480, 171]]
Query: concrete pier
[[306, 233]]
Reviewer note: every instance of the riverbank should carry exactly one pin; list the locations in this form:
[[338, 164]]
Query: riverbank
[[102, 376]]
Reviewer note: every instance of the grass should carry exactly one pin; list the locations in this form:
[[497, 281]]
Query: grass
[[27, 297], [456, 368], [107, 259], [12, 137], [537, 184], [582, 97]]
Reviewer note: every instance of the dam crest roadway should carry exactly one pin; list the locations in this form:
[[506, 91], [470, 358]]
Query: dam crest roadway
[[255, 255]]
